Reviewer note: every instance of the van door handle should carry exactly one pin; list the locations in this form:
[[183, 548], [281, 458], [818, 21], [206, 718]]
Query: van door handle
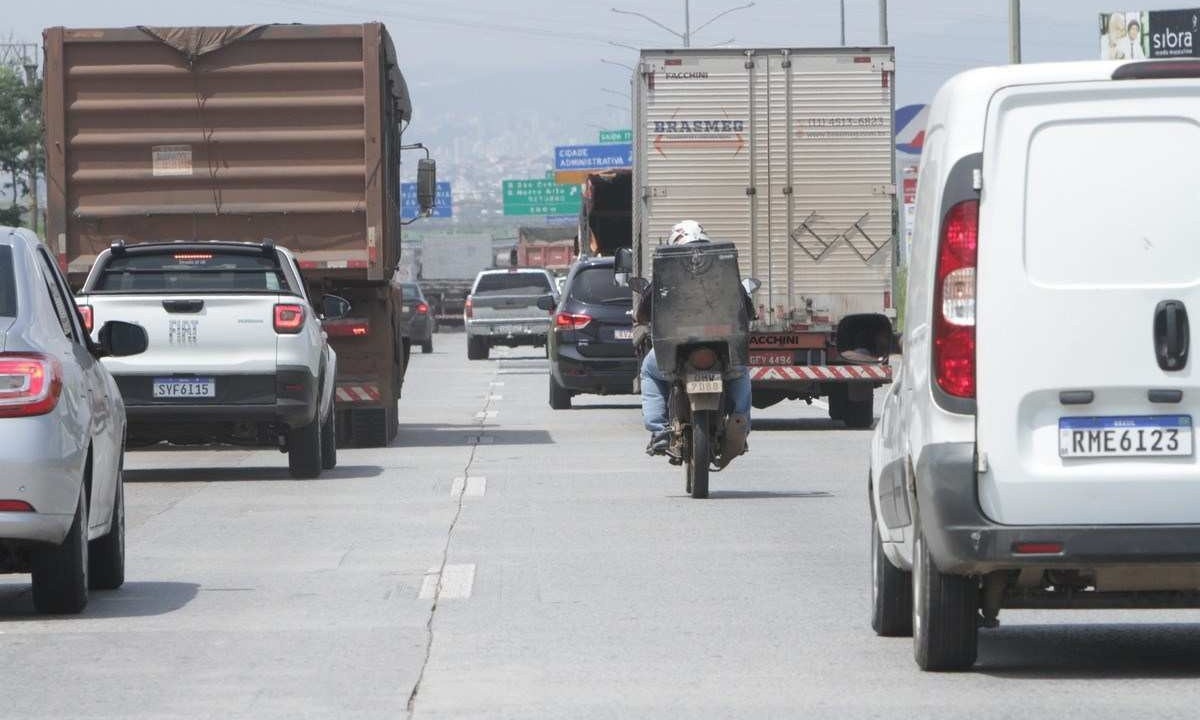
[[1171, 335]]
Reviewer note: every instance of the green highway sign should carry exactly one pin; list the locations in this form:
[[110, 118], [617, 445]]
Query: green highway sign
[[616, 136], [540, 197]]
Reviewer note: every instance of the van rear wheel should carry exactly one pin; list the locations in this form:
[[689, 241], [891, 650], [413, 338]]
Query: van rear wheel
[[945, 615]]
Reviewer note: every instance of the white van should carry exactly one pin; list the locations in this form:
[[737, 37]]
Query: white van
[[1036, 449]]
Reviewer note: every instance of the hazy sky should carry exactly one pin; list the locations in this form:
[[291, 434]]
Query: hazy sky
[[530, 45]]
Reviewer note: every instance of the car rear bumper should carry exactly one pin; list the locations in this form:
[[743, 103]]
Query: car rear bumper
[[42, 461], [963, 541], [289, 397], [602, 375], [531, 332]]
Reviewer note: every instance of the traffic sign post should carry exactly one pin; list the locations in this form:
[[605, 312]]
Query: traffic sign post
[[540, 197], [443, 206]]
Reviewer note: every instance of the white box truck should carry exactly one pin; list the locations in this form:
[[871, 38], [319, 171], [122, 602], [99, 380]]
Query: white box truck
[[789, 154]]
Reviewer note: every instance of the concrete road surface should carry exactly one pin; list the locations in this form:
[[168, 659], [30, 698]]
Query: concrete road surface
[[576, 581]]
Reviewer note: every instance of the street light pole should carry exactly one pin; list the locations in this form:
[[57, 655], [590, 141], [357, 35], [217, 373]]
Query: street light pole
[[1014, 31], [843, 7], [685, 37], [883, 23]]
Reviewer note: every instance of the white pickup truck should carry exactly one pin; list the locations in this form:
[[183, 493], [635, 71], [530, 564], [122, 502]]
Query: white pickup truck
[[502, 309], [237, 353]]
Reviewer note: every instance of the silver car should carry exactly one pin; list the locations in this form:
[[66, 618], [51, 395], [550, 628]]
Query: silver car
[[62, 434]]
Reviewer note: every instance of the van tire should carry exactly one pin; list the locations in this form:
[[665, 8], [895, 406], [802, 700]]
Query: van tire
[[560, 397], [304, 449], [60, 572], [859, 414], [945, 615], [477, 348], [891, 590]]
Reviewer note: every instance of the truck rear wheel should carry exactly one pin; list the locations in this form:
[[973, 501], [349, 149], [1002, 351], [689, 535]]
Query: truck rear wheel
[[373, 427], [477, 348], [858, 414]]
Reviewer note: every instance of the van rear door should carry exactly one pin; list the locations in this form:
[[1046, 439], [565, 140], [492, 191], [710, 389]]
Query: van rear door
[[1087, 225]]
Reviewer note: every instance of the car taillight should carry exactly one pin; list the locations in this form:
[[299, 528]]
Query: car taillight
[[954, 301], [85, 313], [15, 506], [702, 358], [467, 313], [30, 384], [422, 308], [289, 318], [568, 321]]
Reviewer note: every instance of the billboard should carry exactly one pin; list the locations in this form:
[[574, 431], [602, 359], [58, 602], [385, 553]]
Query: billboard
[[1138, 34]]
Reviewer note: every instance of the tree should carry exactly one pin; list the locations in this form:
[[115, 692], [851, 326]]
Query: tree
[[21, 154]]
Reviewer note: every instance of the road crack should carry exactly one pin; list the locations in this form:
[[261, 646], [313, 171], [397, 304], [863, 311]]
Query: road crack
[[411, 707]]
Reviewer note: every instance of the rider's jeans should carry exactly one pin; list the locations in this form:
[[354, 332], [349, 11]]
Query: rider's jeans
[[656, 390]]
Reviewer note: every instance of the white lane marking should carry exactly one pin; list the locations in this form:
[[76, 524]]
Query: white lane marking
[[496, 383], [486, 415], [468, 487], [495, 397], [456, 582]]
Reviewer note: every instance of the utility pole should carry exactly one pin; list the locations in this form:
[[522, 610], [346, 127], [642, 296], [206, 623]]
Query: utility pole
[[1014, 31], [685, 37], [842, 3], [687, 23], [883, 24]]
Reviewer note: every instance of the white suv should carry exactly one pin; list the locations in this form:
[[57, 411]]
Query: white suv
[[237, 353], [1036, 449]]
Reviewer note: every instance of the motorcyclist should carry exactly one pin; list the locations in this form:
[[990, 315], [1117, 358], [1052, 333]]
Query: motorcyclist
[[656, 389]]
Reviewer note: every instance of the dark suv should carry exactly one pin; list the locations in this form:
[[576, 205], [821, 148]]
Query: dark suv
[[590, 344]]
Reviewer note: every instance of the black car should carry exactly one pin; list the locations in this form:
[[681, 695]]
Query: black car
[[415, 315], [590, 344]]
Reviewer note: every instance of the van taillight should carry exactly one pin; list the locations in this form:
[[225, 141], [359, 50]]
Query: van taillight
[[289, 318], [954, 301], [85, 314], [30, 384]]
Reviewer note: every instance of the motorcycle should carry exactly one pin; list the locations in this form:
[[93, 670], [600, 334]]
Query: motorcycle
[[700, 330]]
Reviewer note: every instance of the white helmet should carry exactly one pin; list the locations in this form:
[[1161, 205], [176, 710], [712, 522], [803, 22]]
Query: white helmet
[[688, 231]]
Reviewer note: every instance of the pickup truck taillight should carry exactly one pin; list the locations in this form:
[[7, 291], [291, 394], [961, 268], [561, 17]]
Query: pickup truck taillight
[[467, 312], [954, 301], [422, 308], [30, 384], [289, 318], [567, 321], [85, 314]]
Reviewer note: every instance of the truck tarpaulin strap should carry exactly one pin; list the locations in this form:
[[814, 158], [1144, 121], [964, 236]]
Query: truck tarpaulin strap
[[194, 42]]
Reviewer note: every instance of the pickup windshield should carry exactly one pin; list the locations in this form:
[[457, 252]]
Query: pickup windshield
[[521, 283], [8, 283], [191, 271]]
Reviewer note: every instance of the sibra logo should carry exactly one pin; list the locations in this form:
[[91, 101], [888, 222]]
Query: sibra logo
[[910, 128]]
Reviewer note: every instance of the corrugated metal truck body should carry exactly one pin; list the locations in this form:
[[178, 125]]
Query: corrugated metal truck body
[[287, 133]]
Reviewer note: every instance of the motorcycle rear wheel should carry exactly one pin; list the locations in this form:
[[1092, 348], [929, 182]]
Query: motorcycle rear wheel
[[701, 455]]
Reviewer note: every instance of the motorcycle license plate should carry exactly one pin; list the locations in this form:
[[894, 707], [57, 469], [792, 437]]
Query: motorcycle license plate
[[704, 383]]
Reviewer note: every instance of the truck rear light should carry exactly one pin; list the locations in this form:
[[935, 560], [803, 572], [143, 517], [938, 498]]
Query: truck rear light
[[702, 358], [954, 301], [15, 506], [422, 308], [568, 321], [468, 313], [85, 314], [1037, 548], [30, 384], [347, 328], [289, 318]]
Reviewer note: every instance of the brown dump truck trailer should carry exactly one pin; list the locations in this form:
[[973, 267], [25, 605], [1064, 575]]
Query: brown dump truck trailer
[[287, 133]]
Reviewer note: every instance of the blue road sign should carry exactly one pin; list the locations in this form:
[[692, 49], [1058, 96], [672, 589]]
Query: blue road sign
[[442, 208], [561, 219], [593, 157]]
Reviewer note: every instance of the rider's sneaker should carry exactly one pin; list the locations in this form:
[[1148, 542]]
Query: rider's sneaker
[[658, 443]]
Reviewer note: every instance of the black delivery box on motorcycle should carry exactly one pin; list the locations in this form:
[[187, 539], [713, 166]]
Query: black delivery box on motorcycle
[[698, 301]]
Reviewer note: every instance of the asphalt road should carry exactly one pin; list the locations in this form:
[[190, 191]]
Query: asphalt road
[[578, 581]]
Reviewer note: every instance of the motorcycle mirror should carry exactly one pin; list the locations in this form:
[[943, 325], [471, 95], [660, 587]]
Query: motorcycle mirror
[[752, 285]]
